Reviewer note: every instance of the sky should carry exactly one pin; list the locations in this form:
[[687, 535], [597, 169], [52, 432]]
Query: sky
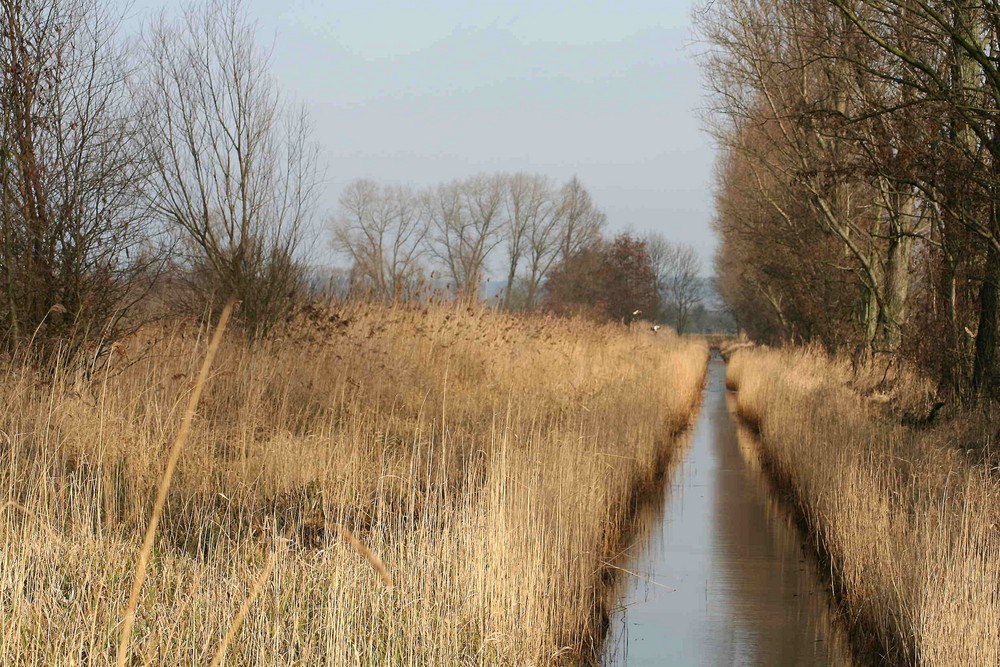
[[423, 93]]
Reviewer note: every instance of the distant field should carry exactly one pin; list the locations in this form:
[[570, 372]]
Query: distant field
[[376, 485]]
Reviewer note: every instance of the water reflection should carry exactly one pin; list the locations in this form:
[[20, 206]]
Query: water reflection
[[721, 578]]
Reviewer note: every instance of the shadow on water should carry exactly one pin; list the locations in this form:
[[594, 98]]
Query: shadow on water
[[718, 574]]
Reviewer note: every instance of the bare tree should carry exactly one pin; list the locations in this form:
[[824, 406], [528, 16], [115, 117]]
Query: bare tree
[[799, 71], [235, 173], [467, 218], [532, 216], [382, 229], [942, 55], [543, 241], [607, 279], [768, 251], [581, 223], [72, 222], [677, 268]]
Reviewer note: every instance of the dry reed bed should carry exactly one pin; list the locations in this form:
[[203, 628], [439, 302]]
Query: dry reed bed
[[490, 462], [907, 522]]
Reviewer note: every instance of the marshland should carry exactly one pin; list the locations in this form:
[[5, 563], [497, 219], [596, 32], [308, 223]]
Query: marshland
[[480, 458], [499, 334]]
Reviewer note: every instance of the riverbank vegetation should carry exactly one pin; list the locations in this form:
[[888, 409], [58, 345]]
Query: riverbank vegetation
[[426, 484], [906, 516]]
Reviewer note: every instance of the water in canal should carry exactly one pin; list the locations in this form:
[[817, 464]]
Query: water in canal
[[718, 575]]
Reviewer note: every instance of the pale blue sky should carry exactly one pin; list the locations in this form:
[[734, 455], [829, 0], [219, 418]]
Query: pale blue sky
[[423, 93]]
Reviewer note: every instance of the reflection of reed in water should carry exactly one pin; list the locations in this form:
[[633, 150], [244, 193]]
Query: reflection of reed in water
[[635, 563], [747, 443], [814, 603]]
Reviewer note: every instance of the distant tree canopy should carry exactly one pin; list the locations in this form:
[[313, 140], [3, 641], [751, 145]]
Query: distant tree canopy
[[606, 279], [545, 243]]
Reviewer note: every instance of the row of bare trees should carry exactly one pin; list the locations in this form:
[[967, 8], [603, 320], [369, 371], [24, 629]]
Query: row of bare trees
[[122, 161], [519, 224], [859, 188], [545, 243]]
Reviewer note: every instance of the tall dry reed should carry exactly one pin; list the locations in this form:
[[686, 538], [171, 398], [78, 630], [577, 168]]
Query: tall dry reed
[[481, 463], [907, 520]]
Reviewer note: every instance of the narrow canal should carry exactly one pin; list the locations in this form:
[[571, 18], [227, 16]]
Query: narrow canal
[[719, 575]]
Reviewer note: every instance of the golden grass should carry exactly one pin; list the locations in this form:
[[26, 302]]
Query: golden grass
[[173, 457], [908, 522], [483, 465]]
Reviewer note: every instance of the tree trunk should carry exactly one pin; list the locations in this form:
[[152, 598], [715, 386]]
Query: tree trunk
[[871, 320], [950, 364], [897, 285], [508, 292], [529, 301], [984, 364]]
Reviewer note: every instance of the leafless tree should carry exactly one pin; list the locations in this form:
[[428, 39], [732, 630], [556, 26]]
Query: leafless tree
[[235, 172], [532, 215], [766, 72], [612, 280], [387, 232], [678, 279], [72, 222], [581, 222], [382, 229], [942, 55], [467, 220], [543, 246]]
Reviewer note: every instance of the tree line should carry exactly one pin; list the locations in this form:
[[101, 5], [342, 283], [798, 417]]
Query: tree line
[[545, 243], [520, 222], [858, 192]]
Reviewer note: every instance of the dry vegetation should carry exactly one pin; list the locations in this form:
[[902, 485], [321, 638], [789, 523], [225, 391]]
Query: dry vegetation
[[489, 462], [907, 520]]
